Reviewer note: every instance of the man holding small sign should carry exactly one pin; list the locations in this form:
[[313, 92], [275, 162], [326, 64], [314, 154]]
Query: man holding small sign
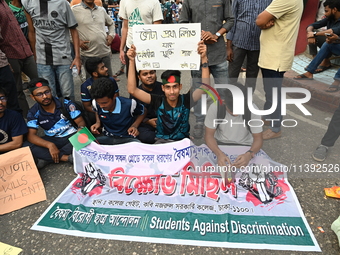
[[172, 109]]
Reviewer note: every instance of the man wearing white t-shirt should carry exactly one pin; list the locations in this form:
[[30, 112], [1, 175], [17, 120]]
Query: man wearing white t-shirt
[[234, 129], [136, 13]]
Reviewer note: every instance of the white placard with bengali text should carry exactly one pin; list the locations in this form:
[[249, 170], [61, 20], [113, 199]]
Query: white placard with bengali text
[[168, 46]]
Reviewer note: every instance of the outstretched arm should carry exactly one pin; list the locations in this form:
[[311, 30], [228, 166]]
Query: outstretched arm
[[131, 83]]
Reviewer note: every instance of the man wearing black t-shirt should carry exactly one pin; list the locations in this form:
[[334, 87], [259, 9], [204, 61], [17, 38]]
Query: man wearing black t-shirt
[[150, 85], [12, 126]]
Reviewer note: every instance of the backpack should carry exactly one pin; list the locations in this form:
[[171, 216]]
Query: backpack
[[79, 107]]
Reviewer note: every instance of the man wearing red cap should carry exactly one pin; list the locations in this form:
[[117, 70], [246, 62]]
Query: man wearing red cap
[[49, 114], [172, 109]]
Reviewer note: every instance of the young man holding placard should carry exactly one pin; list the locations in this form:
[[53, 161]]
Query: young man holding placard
[[173, 108]]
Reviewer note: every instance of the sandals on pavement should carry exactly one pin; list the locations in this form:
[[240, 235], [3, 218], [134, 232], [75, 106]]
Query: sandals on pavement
[[302, 77], [333, 88], [320, 69]]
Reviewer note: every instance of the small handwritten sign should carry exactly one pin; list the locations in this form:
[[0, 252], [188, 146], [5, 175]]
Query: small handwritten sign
[[20, 182], [169, 46]]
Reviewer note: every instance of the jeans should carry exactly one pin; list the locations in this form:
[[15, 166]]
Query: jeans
[[252, 67], [333, 131], [62, 143], [119, 28], [324, 52], [64, 75], [273, 79], [29, 67], [147, 133], [220, 74], [110, 140]]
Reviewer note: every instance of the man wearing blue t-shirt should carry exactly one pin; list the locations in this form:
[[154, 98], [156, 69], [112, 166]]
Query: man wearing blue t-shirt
[[12, 126], [172, 109], [96, 68], [115, 114], [49, 114]]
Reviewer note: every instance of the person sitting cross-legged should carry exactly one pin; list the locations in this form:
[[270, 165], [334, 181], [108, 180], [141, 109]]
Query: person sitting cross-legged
[[48, 113], [230, 131], [12, 126], [115, 114], [149, 84]]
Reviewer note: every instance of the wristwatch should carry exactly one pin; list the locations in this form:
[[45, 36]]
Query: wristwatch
[[252, 154], [218, 34], [205, 64], [314, 34]]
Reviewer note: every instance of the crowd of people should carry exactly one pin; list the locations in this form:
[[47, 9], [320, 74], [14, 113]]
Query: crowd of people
[[48, 40]]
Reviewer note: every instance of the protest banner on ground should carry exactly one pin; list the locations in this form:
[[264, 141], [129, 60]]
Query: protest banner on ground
[[173, 193], [20, 182], [167, 46]]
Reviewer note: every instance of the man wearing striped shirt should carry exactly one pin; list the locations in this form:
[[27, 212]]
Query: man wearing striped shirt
[[244, 40]]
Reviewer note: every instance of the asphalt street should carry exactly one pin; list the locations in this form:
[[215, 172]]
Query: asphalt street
[[293, 148]]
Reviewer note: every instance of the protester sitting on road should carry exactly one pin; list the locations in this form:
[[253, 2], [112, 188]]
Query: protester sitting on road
[[173, 108], [147, 129], [50, 114], [331, 46], [12, 126], [332, 134], [115, 114], [226, 129], [96, 68]]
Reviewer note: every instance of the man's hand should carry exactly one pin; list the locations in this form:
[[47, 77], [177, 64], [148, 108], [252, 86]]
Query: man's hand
[[202, 49], [268, 25], [54, 152], [152, 122], [230, 54], [242, 160], [95, 128], [83, 45], [109, 40], [208, 37], [76, 62], [133, 131], [332, 38], [131, 53], [122, 57], [223, 160]]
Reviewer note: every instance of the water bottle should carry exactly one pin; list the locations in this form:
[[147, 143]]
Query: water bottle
[[74, 71]]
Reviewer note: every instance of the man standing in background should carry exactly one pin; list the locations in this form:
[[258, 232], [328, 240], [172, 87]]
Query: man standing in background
[[244, 40], [216, 19], [133, 12], [52, 21], [280, 24], [94, 42]]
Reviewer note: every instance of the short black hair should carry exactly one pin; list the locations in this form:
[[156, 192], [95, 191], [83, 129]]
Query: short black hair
[[332, 4], [165, 75], [3, 91], [34, 81], [102, 87], [91, 64]]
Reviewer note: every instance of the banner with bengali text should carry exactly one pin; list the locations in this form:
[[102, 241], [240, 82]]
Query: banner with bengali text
[[174, 193]]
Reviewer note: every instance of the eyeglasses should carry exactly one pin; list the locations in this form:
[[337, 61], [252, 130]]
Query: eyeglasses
[[41, 94], [3, 99]]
